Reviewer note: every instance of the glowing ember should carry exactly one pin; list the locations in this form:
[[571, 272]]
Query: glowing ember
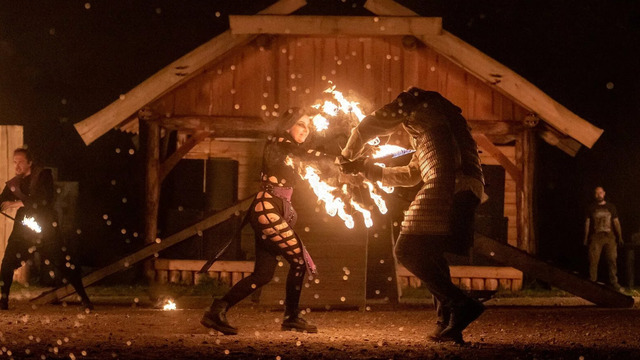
[[377, 199], [320, 122], [170, 305], [31, 224]]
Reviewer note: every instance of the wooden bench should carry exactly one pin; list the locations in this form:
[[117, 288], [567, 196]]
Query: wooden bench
[[471, 277], [230, 272], [186, 271]]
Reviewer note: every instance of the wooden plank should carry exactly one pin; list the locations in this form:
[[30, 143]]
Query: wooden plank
[[196, 265], [334, 25], [464, 271], [511, 256], [144, 253], [170, 77], [498, 76], [508, 166]]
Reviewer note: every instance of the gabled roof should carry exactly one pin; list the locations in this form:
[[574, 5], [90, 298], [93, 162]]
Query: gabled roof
[[562, 121]]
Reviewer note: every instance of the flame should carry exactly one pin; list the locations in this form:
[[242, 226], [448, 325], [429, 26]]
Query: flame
[[368, 222], [170, 305], [320, 122], [333, 205], [346, 106], [377, 199], [31, 224], [387, 189], [288, 161]]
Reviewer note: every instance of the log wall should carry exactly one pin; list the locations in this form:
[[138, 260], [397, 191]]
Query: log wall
[[11, 138]]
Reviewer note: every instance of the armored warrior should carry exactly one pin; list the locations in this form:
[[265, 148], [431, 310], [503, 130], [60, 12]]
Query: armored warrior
[[272, 218], [440, 218]]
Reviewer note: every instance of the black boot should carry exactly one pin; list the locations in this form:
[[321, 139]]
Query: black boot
[[461, 316], [216, 318], [86, 304], [4, 302], [293, 322], [444, 315]]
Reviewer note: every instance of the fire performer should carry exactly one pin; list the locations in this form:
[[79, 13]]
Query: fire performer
[[31, 192], [440, 218], [272, 218]]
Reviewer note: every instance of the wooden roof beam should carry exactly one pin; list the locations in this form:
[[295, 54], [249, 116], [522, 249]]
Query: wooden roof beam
[[498, 76], [170, 77], [334, 25]]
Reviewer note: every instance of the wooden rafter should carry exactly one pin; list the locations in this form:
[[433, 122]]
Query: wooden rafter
[[498, 76], [484, 142], [170, 77], [334, 25], [174, 158]]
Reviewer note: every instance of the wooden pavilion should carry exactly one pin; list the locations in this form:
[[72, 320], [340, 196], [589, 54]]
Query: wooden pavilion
[[224, 97]]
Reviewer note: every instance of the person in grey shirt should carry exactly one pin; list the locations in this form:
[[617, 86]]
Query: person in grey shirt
[[603, 235]]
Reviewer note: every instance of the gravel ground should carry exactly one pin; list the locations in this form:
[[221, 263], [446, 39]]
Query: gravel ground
[[123, 329]]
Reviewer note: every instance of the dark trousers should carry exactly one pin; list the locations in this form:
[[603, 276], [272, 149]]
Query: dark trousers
[[21, 249], [265, 266], [603, 243], [423, 255]]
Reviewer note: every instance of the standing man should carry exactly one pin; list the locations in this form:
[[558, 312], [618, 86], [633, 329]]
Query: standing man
[[440, 218], [603, 234], [31, 192]]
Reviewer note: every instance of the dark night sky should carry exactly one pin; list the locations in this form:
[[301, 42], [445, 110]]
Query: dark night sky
[[61, 62]]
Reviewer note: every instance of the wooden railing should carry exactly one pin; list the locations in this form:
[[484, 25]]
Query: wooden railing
[[472, 277], [230, 272]]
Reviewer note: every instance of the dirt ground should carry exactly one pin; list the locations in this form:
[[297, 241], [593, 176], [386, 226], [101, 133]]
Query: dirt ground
[[124, 329]]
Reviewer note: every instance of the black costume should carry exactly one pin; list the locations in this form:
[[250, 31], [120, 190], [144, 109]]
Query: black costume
[[36, 193], [440, 218], [272, 218]]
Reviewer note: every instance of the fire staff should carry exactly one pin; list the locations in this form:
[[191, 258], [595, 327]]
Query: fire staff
[[31, 193], [272, 218], [440, 218]]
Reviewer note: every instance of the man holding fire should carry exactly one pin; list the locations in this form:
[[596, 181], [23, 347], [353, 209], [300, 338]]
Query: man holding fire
[[31, 193]]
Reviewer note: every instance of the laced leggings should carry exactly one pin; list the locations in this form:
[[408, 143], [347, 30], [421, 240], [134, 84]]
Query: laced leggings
[[274, 237]]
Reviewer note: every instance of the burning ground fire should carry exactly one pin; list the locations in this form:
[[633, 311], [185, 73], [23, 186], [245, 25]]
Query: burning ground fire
[[338, 204], [169, 305]]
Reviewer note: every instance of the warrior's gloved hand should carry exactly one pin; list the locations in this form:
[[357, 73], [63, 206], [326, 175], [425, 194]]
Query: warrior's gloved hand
[[351, 167], [363, 166]]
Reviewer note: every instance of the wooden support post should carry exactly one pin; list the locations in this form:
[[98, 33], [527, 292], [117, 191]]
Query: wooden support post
[[152, 183], [525, 159]]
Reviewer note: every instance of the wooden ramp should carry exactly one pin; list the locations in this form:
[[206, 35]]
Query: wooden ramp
[[145, 253], [511, 256]]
